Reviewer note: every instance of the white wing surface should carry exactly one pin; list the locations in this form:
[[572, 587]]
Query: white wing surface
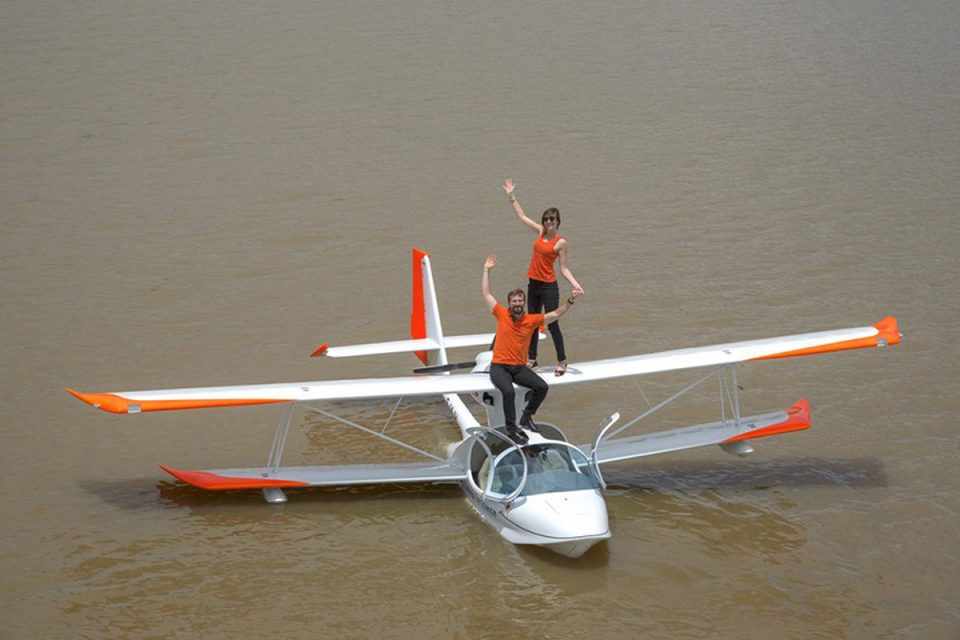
[[881, 334], [723, 432], [376, 348]]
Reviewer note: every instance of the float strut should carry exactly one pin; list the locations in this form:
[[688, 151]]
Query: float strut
[[272, 494]]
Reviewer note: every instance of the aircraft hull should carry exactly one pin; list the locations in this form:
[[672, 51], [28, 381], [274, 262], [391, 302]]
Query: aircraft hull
[[536, 522]]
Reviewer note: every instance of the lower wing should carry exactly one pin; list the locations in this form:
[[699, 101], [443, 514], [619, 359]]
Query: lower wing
[[317, 476], [730, 434]]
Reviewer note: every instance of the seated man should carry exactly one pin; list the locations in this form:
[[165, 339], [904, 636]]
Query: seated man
[[509, 363]]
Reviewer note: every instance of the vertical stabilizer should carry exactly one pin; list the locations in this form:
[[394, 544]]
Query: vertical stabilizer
[[424, 310]]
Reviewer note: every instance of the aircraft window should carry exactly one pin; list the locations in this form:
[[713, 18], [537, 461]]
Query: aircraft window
[[479, 465], [550, 468], [508, 474], [482, 475], [480, 461]]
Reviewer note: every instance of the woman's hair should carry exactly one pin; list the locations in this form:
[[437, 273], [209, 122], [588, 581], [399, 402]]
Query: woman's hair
[[516, 292], [551, 211]]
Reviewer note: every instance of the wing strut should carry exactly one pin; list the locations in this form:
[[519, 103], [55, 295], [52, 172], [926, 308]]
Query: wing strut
[[378, 434], [659, 406], [729, 400], [275, 495]]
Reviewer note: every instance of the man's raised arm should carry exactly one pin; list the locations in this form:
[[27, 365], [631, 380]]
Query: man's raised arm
[[488, 264]]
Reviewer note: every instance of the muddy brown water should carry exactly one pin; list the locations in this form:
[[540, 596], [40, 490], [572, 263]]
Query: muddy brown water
[[199, 194]]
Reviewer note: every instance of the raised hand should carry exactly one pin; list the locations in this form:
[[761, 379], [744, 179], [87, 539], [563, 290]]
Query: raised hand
[[490, 262], [508, 186]]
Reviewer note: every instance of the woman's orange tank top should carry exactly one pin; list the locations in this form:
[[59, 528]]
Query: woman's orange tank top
[[544, 255]]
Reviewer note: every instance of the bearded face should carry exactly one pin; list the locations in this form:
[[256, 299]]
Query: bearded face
[[517, 304]]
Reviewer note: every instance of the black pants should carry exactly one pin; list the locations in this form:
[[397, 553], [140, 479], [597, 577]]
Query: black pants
[[544, 297], [504, 375]]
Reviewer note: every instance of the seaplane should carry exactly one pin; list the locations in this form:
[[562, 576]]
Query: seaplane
[[546, 492]]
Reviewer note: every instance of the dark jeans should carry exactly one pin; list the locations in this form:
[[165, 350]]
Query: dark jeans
[[504, 375], [544, 297]]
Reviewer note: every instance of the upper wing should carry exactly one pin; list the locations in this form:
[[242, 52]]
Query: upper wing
[[881, 334], [724, 432], [316, 476]]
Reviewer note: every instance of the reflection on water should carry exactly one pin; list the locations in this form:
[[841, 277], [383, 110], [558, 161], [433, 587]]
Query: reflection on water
[[194, 196], [722, 524]]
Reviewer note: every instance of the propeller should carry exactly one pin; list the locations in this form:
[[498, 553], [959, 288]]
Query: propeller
[[441, 368]]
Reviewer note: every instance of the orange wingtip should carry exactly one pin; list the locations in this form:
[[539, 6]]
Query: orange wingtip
[[214, 482], [798, 419], [320, 351], [118, 404], [889, 333], [104, 401], [889, 330]]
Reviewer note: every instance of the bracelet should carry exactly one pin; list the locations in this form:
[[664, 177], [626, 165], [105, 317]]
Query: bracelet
[[570, 300]]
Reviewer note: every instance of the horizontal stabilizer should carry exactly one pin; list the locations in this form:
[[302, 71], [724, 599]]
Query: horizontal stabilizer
[[318, 476], [728, 432], [401, 346], [375, 348]]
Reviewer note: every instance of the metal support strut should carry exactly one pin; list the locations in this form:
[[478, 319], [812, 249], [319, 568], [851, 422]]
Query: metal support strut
[[378, 434], [729, 395], [274, 495]]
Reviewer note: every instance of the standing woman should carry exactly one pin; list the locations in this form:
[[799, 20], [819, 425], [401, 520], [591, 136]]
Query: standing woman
[[543, 293]]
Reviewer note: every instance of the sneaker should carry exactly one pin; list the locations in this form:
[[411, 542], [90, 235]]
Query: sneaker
[[526, 421], [561, 369], [517, 435]]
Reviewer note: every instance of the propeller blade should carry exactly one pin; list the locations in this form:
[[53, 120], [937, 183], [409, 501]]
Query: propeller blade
[[440, 368]]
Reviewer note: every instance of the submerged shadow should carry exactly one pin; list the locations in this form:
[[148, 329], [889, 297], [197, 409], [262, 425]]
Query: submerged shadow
[[135, 494], [138, 494], [765, 474]]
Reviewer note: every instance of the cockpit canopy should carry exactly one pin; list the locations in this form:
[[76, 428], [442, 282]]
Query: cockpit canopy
[[551, 467]]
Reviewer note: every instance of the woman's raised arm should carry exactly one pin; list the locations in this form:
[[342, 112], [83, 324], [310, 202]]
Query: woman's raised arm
[[509, 187]]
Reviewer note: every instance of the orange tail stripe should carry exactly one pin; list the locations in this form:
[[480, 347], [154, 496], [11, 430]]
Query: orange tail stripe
[[418, 319], [118, 404], [213, 482], [889, 333], [798, 419]]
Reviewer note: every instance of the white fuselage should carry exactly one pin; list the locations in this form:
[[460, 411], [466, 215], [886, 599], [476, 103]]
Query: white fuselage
[[566, 522], [549, 512]]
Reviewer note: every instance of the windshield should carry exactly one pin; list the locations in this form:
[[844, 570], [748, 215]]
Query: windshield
[[551, 467]]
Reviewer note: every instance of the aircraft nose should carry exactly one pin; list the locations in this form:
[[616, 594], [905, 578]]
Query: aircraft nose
[[567, 514]]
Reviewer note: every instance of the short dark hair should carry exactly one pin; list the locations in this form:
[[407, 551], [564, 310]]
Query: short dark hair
[[516, 292], [551, 211]]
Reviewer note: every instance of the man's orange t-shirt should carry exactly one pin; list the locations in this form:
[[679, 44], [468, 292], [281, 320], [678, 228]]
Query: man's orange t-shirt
[[513, 338]]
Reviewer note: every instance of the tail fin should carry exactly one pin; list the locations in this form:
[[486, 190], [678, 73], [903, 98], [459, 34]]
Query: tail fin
[[428, 341], [425, 311]]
